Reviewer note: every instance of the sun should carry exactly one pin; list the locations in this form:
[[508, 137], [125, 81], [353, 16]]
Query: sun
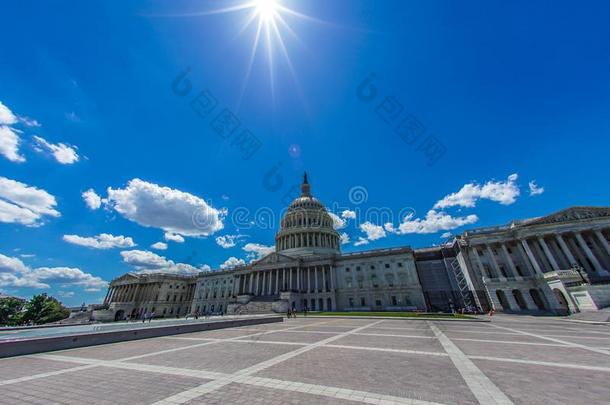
[[266, 10], [269, 21]]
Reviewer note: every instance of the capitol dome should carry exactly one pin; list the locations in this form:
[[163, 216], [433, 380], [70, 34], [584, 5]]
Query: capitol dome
[[306, 228]]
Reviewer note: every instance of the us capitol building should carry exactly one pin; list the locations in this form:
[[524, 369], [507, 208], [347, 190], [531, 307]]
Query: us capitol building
[[556, 264]]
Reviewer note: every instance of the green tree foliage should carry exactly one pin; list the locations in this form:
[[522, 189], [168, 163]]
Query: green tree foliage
[[10, 310], [43, 309]]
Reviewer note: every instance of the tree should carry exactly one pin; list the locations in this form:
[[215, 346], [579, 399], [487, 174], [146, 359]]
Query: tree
[[43, 309], [10, 309]]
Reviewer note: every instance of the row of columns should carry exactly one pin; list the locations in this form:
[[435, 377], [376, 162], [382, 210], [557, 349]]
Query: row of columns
[[307, 239], [540, 256], [140, 292], [271, 282]]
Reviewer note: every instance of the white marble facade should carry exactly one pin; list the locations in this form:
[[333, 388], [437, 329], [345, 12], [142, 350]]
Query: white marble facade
[[553, 264]]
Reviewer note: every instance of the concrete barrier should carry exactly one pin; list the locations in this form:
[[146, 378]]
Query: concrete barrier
[[51, 343]]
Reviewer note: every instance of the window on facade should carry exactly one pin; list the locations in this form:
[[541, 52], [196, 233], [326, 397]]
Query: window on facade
[[399, 264], [387, 265], [362, 301], [175, 298], [374, 280], [347, 269], [372, 267], [407, 300], [378, 303], [170, 286], [167, 299], [509, 250], [394, 301], [360, 284], [357, 268]]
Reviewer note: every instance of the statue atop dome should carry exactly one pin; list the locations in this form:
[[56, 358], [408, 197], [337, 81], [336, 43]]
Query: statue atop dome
[[305, 188]]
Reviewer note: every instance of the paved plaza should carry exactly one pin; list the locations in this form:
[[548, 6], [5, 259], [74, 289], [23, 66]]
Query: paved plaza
[[514, 359]]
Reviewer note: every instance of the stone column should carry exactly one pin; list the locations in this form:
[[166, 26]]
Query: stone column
[[598, 267], [277, 281], [251, 282], [494, 262], [603, 240], [509, 260], [324, 282], [298, 279], [315, 272], [477, 259], [263, 284], [106, 297], [290, 279], [530, 255], [308, 281], [548, 254], [565, 249], [283, 278], [331, 273]]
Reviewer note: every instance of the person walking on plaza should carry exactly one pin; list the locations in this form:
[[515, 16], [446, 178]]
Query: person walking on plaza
[[152, 315]]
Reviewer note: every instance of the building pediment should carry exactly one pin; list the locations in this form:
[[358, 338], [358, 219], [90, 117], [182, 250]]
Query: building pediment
[[126, 278], [572, 214], [275, 258]]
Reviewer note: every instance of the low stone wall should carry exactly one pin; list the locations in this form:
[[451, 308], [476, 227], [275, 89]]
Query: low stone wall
[[46, 344]]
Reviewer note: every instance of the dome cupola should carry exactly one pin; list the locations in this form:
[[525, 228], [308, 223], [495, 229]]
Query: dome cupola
[[306, 227]]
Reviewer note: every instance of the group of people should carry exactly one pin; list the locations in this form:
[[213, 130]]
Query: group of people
[[292, 312]]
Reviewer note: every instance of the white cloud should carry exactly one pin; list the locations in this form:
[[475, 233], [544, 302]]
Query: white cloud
[[174, 211], [92, 200], [63, 153], [344, 238], [66, 294], [257, 251], [435, 221], [373, 232], [9, 144], [338, 222], [159, 246], [145, 261], [205, 267], [101, 241], [14, 273], [348, 214], [232, 262], [24, 204], [6, 115], [173, 237], [361, 241], [535, 189], [389, 227], [446, 235], [228, 241], [503, 192]]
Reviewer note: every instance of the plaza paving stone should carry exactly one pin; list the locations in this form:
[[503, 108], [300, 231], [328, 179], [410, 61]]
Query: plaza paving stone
[[391, 342], [120, 350], [245, 394], [16, 367], [225, 357], [338, 361], [430, 378]]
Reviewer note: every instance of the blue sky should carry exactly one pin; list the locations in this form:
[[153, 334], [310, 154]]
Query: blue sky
[[467, 103]]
